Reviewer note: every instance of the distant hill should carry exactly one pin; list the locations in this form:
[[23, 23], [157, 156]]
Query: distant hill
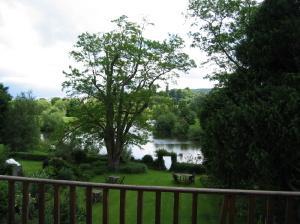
[[202, 90]]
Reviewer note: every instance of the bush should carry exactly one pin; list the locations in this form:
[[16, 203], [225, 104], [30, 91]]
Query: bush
[[188, 168], [4, 201], [148, 160], [65, 174], [3, 158], [36, 156], [132, 167], [93, 158], [79, 156], [159, 163], [99, 167], [88, 170]]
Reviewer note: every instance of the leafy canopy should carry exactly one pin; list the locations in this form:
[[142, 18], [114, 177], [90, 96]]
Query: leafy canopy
[[116, 74]]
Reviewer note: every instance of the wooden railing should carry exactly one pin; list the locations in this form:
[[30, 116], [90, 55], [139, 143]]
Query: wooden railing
[[227, 212]]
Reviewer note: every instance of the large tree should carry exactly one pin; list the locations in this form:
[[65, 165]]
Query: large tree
[[217, 27], [22, 131], [5, 97], [251, 120], [117, 74]]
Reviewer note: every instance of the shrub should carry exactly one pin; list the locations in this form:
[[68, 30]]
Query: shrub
[[188, 168], [4, 201], [87, 171], [93, 158], [79, 156], [133, 167], [148, 160], [99, 167], [159, 162], [65, 174], [3, 158]]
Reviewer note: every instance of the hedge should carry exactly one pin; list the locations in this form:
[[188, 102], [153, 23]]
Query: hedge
[[133, 167], [188, 168], [36, 156]]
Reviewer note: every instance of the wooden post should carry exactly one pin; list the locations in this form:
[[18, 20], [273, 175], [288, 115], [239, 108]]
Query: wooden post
[[88, 206]]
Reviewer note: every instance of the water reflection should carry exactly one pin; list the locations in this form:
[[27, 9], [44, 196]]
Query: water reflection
[[187, 151]]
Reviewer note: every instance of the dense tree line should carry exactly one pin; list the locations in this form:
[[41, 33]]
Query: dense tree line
[[175, 114], [250, 121]]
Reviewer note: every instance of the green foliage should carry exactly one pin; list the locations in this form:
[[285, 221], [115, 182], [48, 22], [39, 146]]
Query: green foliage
[[251, 124], [188, 168], [22, 130], [118, 73], [159, 163], [5, 98], [175, 114], [218, 26], [164, 125], [126, 155], [35, 156], [132, 167], [4, 199], [194, 132], [52, 118], [3, 158], [148, 160]]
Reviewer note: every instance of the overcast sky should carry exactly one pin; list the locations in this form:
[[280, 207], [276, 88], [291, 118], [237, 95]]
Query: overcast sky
[[36, 37]]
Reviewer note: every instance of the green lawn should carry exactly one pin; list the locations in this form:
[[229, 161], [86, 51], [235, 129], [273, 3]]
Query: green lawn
[[30, 167], [208, 205]]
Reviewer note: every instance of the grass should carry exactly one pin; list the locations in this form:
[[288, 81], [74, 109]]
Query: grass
[[30, 167], [208, 205]]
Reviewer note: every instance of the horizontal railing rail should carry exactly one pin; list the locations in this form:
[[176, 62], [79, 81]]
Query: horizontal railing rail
[[227, 214]]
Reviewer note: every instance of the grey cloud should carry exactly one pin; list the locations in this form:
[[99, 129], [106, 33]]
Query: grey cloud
[[53, 25]]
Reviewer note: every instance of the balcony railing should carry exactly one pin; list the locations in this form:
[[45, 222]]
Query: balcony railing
[[227, 213]]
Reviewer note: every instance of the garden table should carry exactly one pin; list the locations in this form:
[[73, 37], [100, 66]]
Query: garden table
[[113, 179], [183, 177]]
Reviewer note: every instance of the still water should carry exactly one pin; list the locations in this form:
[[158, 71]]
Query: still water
[[186, 151]]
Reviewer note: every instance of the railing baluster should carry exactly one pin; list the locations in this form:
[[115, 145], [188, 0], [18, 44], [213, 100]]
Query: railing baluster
[[105, 206], [139, 219], [41, 203], [194, 208], [224, 210], [251, 210], [231, 209], [25, 203], [122, 206], [11, 202], [227, 214], [176, 208], [290, 211], [88, 205], [56, 206], [72, 204], [157, 207], [269, 211]]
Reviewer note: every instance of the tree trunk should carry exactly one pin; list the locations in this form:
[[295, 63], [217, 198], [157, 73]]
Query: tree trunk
[[113, 156], [113, 163]]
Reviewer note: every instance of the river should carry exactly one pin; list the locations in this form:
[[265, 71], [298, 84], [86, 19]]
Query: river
[[186, 151]]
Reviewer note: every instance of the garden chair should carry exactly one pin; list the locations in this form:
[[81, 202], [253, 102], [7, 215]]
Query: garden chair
[[121, 181], [175, 178], [192, 178]]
